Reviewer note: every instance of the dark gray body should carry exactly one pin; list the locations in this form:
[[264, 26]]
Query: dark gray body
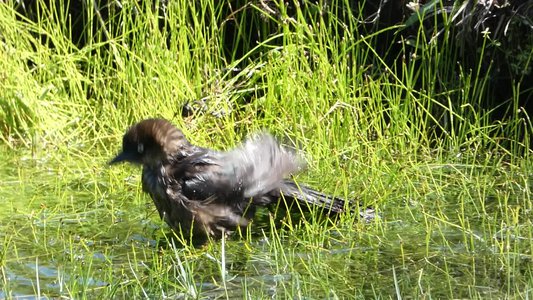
[[204, 193], [211, 193]]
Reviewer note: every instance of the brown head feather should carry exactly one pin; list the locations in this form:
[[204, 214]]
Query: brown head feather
[[151, 142]]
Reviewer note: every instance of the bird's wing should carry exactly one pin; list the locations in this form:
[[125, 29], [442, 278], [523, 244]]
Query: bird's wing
[[252, 169], [204, 178], [260, 164], [213, 196]]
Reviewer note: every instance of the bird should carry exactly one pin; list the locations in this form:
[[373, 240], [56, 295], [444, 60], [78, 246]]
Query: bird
[[203, 193]]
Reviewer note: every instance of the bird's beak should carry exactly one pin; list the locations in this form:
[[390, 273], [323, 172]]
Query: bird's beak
[[122, 156]]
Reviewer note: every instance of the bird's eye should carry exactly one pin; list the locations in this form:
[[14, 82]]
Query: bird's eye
[[140, 148]]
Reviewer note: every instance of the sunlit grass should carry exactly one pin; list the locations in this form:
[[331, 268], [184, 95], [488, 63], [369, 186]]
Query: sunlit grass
[[454, 209]]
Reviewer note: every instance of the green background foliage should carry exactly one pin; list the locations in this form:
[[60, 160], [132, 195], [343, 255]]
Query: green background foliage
[[409, 134]]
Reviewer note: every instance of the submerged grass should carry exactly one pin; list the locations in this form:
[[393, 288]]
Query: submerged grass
[[455, 209]]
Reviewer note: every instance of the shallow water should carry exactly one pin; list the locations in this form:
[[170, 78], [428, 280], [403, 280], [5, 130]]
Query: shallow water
[[84, 230]]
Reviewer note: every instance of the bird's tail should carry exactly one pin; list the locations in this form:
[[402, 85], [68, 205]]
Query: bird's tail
[[306, 195], [331, 204]]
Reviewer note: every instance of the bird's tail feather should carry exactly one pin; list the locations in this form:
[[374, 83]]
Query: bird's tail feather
[[331, 204], [306, 195]]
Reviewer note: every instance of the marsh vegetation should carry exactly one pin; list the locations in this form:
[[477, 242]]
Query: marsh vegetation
[[410, 136]]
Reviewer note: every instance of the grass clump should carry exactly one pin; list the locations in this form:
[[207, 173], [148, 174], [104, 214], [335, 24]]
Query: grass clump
[[450, 184]]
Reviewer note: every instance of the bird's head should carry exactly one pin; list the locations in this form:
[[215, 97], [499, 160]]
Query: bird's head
[[152, 142]]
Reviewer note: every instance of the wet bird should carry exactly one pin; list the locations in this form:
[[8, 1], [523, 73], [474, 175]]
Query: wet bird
[[204, 193]]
